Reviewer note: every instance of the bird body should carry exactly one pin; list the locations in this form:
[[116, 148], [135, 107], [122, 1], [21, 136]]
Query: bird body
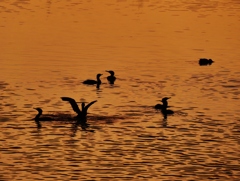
[[92, 82], [205, 61], [167, 111]]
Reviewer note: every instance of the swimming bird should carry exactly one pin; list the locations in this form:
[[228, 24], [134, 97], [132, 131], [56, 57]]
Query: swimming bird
[[164, 105], [111, 79], [92, 82], [205, 61], [41, 118], [82, 114]]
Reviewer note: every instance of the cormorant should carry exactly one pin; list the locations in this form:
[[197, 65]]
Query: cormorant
[[111, 79], [81, 114], [92, 82], [164, 105], [205, 61], [41, 118]]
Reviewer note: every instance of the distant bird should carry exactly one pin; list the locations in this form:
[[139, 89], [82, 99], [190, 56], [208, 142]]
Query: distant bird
[[164, 105], [205, 61], [81, 114], [41, 118], [92, 82], [111, 79]]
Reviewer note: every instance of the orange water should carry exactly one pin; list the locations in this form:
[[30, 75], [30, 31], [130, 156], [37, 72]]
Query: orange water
[[49, 47]]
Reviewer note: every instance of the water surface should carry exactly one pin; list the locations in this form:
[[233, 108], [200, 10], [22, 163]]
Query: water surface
[[48, 48]]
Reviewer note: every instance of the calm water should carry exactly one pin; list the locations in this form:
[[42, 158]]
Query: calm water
[[49, 47]]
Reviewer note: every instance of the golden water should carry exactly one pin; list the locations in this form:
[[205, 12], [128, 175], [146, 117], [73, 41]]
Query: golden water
[[49, 47]]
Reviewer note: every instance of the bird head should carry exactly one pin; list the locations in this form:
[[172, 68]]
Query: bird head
[[38, 109], [165, 99], [98, 75], [110, 71]]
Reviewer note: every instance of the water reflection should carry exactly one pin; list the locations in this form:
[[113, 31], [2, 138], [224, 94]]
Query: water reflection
[[164, 122], [84, 127]]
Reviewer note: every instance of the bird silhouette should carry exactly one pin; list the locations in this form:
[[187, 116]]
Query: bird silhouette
[[205, 61], [81, 114], [92, 82], [164, 105], [111, 78], [39, 116]]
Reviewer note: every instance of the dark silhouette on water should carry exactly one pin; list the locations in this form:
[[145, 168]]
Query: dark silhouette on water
[[38, 118], [85, 108], [167, 112], [164, 105], [205, 61], [41, 118], [111, 78], [93, 82], [81, 114]]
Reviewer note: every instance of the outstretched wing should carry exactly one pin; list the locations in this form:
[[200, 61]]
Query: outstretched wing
[[73, 104], [87, 106]]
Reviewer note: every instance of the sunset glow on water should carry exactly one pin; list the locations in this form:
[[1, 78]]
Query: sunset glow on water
[[49, 48]]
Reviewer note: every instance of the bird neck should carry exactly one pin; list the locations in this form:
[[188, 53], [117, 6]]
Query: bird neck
[[98, 80], [83, 106], [38, 115], [165, 104]]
